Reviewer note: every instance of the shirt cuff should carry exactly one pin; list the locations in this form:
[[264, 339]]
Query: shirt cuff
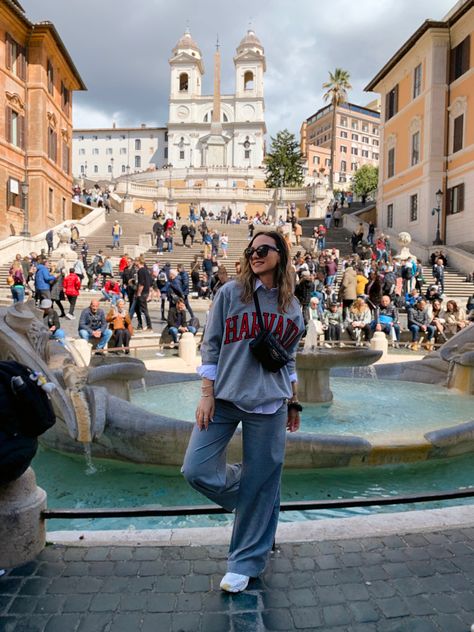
[[293, 377], [209, 371]]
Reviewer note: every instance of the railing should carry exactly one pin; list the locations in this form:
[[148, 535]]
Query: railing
[[300, 505]]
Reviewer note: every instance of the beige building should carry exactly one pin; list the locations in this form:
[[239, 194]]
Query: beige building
[[37, 79], [357, 141], [427, 133]]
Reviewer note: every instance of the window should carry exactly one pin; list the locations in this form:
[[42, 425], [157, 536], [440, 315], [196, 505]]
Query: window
[[365, 139], [109, 168], [391, 103], [65, 156], [415, 148], [455, 200], [458, 133], [82, 151], [413, 207], [123, 150], [166, 137], [365, 127], [417, 81], [247, 153], [375, 142], [375, 131], [375, 156], [354, 151], [65, 97], [391, 163], [343, 121], [108, 137], [15, 128], [96, 168], [343, 149], [138, 162], [138, 144], [343, 134], [13, 193], [181, 154], [165, 153], [248, 80], [390, 216], [365, 153], [63, 209], [183, 82], [81, 137], [50, 73], [15, 58], [50, 202], [109, 151], [459, 61], [95, 151], [123, 168], [354, 166], [52, 144], [316, 160], [355, 125], [355, 137], [83, 169], [122, 137], [343, 166]]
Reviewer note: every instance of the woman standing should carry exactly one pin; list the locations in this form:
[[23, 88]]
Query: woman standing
[[237, 388]]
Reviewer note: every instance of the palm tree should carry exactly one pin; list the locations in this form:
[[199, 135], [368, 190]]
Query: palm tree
[[337, 88]]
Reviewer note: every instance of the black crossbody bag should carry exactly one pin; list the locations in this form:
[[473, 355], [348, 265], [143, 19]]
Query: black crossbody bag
[[269, 351]]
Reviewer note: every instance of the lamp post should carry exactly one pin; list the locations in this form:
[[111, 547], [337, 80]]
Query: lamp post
[[24, 191], [439, 196], [282, 173], [112, 169], [169, 166]]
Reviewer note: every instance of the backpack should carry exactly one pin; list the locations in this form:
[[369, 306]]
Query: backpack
[[26, 414]]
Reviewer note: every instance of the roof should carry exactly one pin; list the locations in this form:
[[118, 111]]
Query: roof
[[250, 40], [450, 19], [186, 41], [353, 107], [117, 129]]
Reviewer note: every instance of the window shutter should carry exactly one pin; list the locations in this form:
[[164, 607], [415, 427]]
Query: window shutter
[[8, 60], [395, 100], [452, 65], [387, 106], [23, 64], [8, 124], [458, 133], [21, 132], [460, 198], [466, 54], [449, 197]]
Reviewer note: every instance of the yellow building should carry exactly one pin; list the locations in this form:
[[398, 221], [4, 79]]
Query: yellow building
[[427, 131], [37, 78]]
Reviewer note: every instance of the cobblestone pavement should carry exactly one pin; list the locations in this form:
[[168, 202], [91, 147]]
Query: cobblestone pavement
[[411, 583]]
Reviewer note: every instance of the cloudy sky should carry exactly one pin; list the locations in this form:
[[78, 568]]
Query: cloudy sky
[[121, 49]]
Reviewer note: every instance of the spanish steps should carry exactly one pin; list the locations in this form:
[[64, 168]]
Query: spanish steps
[[134, 226]]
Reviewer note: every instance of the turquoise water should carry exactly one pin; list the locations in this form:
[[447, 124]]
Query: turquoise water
[[116, 484], [365, 408]]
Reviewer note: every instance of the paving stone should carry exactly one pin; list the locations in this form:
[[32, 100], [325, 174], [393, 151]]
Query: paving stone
[[244, 601], [351, 559], [204, 567], [325, 578], [247, 622], [5, 602], [444, 603], [25, 570], [393, 542], [417, 553], [188, 602], [372, 558], [395, 555], [74, 554], [62, 623], [351, 546], [63, 586], [275, 599], [397, 570], [465, 563], [161, 602], [421, 569], [127, 569], [216, 602], [212, 622], [303, 564], [22, 605], [393, 607], [277, 620], [77, 603], [130, 603], [88, 584], [101, 569], [408, 586], [363, 611], [459, 582], [336, 615], [355, 592], [121, 553], [76, 569], [146, 553], [153, 568], [105, 603], [126, 622], [50, 605], [176, 567], [276, 580], [328, 562], [51, 553], [139, 584], [349, 576], [34, 586], [196, 583], [32, 623], [411, 624], [10, 585], [465, 601], [7, 624], [451, 623], [119, 584], [96, 554], [51, 569], [168, 584], [157, 622], [307, 618], [436, 584], [96, 622], [302, 597], [328, 595], [372, 573], [419, 605], [301, 580]]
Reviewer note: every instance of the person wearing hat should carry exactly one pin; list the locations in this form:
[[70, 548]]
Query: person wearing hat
[[51, 320]]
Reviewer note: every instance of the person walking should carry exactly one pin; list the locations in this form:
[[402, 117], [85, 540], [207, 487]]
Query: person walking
[[143, 289], [237, 388], [71, 288], [116, 234]]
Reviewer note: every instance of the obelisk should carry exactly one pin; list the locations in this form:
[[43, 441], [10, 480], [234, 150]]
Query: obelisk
[[216, 141]]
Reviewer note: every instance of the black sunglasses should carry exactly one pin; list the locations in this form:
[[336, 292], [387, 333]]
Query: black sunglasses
[[260, 251]]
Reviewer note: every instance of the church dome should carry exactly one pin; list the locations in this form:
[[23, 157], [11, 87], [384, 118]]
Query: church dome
[[186, 42], [250, 41]]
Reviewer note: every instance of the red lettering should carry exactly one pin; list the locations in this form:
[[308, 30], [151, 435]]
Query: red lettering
[[244, 327], [255, 326], [230, 330], [268, 326], [279, 328]]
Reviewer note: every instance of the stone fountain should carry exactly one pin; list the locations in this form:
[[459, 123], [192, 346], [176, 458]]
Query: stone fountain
[[315, 363]]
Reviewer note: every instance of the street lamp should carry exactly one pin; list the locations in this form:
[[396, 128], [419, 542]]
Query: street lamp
[[439, 196], [24, 191], [112, 169], [282, 173], [169, 166]]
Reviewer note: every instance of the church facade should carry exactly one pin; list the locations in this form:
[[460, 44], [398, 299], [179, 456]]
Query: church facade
[[237, 120]]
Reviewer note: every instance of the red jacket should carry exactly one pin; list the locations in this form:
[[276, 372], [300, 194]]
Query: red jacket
[[71, 284], [112, 286], [123, 264]]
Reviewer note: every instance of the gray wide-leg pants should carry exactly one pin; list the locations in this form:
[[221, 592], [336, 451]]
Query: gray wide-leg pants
[[251, 488]]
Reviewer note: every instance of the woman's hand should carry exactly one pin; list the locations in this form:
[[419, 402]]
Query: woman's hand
[[205, 411], [293, 421]]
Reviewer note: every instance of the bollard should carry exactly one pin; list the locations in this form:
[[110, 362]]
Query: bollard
[[379, 343], [22, 531], [187, 348]]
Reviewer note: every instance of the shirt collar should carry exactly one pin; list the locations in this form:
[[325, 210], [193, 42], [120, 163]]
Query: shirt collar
[[258, 284]]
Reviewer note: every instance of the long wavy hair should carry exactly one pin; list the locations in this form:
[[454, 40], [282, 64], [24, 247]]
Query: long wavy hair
[[283, 275]]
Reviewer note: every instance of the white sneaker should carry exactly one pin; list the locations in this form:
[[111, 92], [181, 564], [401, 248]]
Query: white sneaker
[[234, 583], [70, 316]]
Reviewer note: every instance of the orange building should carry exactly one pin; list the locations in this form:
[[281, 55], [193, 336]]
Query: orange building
[[37, 78], [357, 141], [427, 135]]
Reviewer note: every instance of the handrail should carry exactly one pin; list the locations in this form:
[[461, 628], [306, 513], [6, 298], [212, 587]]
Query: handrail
[[299, 505]]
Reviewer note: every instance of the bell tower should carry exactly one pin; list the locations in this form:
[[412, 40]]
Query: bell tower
[[250, 66], [187, 69]]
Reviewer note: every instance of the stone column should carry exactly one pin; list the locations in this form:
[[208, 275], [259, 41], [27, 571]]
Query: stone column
[[22, 531]]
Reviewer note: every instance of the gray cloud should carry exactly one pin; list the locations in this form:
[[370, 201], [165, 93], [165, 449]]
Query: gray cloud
[[121, 49]]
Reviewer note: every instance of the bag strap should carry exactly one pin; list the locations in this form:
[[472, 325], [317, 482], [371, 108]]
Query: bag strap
[[259, 313]]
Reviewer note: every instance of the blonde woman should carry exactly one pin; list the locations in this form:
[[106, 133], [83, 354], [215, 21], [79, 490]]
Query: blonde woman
[[121, 325], [455, 318], [358, 320], [237, 388]]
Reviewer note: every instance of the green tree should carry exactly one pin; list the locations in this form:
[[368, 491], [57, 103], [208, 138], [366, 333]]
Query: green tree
[[337, 88], [284, 154], [365, 180]]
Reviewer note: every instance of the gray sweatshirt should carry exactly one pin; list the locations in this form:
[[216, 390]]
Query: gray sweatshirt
[[240, 378]]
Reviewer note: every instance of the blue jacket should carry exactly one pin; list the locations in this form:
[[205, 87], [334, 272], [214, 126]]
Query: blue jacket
[[92, 322], [184, 280], [43, 278]]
